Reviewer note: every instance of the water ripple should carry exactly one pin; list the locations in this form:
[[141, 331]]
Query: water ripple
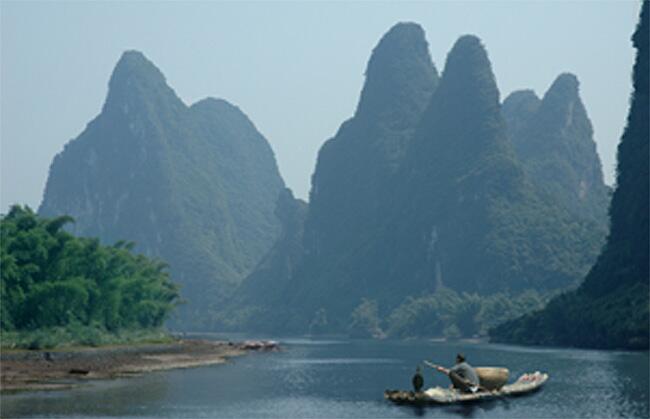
[[334, 361]]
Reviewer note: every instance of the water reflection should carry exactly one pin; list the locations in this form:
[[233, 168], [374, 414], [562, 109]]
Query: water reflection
[[632, 382], [328, 361], [102, 398], [346, 379]]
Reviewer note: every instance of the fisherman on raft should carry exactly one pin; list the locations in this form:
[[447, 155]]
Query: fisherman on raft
[[462, 375]]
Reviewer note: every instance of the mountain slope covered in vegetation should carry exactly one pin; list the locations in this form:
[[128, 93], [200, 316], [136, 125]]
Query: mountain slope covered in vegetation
[[453, 212], [553, 139], [611, 307], [196, 186]]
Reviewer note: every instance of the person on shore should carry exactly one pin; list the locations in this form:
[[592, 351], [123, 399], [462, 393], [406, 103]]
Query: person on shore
[[462, 375]]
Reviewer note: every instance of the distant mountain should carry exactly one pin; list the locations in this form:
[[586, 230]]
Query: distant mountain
[[349, 184], [471, 218], [611, 307], [196, 186], [255, 304], [420, 192], [553, 139], [354, 167]]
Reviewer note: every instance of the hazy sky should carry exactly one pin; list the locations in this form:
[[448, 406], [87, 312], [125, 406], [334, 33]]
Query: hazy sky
[[295, 68]]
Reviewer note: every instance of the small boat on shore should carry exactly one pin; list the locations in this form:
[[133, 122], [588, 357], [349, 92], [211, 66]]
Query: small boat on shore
[[525, 384]]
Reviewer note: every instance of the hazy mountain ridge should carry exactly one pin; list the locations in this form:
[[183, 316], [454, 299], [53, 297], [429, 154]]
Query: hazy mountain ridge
[[553, 138], [611, 307], [458, 202], [472, 199], [348, 185], [354, 166], [195, 185], [255, 303], [433, 192]]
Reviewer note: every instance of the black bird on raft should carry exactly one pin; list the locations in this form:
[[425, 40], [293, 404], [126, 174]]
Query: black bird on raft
[[418, 380]]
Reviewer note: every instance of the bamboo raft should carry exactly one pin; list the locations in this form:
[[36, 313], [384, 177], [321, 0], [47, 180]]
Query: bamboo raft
[[527, 383]]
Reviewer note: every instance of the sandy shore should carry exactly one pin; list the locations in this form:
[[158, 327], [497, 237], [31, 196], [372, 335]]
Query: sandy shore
[[60, 369]]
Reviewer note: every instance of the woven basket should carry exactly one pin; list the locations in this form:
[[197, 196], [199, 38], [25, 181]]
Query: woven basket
[[492, 378]]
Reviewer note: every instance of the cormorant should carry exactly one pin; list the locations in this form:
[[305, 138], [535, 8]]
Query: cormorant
[[417, 381]]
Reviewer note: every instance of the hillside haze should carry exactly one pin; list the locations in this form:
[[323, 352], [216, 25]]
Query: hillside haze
[[354, 167], [196, 186], [553, 138], [611, 307], [348, 193], [435, 208], [419, 193], [473, 219], [348, 199]]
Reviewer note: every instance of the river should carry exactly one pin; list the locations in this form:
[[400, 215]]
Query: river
[[346, 379]]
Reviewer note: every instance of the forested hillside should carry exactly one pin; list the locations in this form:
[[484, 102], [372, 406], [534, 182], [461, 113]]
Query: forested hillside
[[419, 198], [196, 186], [434, 209], [611, 307], [553, 139]]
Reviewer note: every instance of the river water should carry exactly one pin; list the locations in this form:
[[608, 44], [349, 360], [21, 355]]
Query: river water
[[347, 378]]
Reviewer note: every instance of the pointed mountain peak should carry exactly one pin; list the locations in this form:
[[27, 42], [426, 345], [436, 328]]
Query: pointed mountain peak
[[220, 111], [468, 61], [521, 98], [518, 108], [469, 41], [133, 57], [403, 35], [562, 107], [134, 66], [399, 70], [136, 78], [468, 46], [211, 104], [566, 85], [467, 87], [463, 121]]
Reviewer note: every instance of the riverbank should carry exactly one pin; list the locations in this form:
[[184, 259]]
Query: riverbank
[[22, 370]]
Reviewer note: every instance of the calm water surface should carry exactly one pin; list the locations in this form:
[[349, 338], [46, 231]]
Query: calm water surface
[[346, 379]]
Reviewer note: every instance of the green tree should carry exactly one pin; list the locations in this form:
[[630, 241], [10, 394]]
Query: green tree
[[50, 278]]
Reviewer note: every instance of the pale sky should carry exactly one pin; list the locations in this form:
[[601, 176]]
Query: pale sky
[[295, 68]]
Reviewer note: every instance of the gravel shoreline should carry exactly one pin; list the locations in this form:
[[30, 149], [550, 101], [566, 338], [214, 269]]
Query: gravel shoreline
[[22, 370]]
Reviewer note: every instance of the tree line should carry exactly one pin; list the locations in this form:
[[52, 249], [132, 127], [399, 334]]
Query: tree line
[[444, 313], [52, 279]]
